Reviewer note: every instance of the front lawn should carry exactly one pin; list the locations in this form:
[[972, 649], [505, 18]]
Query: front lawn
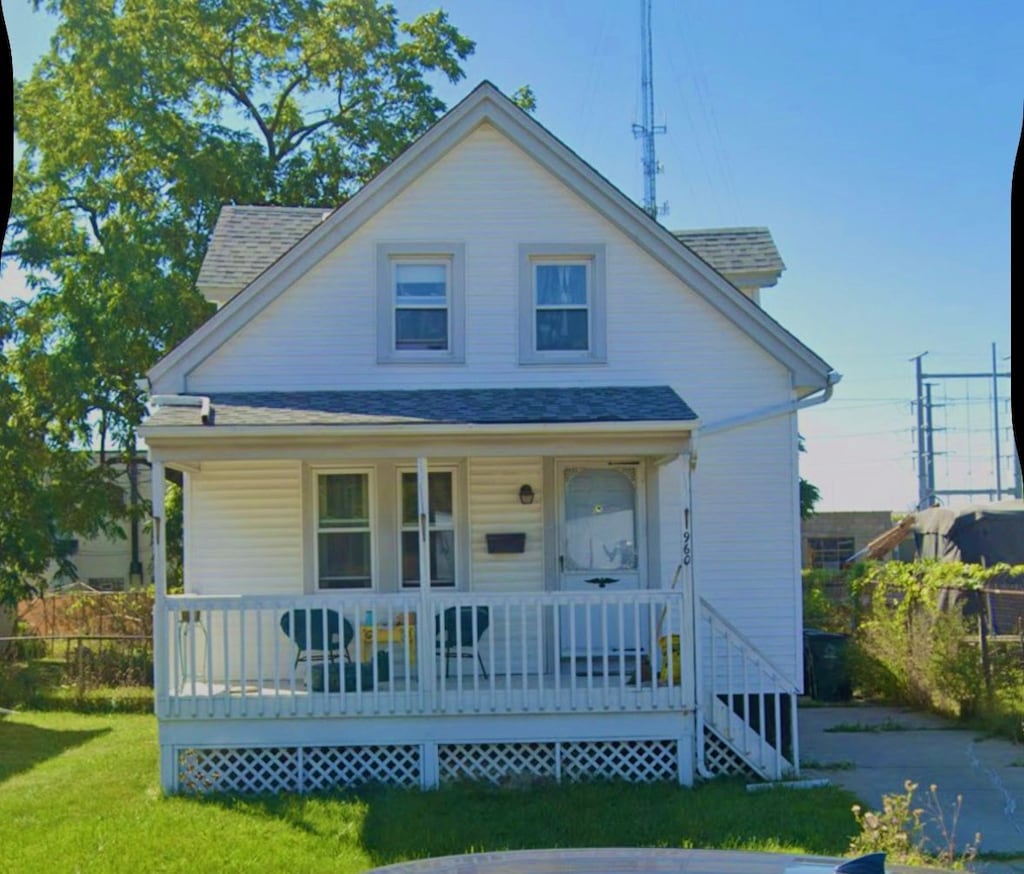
[[80, 793]]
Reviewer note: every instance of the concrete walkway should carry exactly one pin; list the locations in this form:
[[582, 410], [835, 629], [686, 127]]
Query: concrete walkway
[[872, 751]]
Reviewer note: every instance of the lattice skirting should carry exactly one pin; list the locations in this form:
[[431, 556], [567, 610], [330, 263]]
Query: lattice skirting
[[309, 769], [296, 769], [635, 761], [720, 758]]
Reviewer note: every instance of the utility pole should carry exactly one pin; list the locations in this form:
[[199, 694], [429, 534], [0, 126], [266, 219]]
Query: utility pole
[[924, 498], [647, 131], [926, 489]]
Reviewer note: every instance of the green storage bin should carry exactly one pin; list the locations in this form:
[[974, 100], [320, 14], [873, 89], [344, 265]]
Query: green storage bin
[[826, 665]]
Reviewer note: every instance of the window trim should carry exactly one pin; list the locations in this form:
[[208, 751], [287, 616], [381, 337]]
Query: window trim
[[453, 471], [372, 525], [453, 255], [532, 255]]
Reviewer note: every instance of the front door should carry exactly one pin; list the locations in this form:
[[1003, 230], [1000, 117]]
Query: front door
[[600, 551]]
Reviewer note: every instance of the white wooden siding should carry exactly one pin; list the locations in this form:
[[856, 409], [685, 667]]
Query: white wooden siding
[[245, 530], [244, 537], [495, 508], [744, 508]]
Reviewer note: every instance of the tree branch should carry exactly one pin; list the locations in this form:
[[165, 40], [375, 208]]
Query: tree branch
[[283, 99]]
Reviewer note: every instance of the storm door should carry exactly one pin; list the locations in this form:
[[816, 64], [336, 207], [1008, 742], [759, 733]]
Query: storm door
[[601, 552]]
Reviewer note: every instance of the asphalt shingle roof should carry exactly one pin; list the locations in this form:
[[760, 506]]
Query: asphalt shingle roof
[[435, 407], [248, 239], [734, 250]]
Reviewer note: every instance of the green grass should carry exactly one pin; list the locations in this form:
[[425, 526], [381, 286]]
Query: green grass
[[80, 793], [888, 724], [815, 765]]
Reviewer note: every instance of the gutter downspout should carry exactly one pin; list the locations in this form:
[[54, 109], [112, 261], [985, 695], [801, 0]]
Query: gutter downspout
[[819, 397]]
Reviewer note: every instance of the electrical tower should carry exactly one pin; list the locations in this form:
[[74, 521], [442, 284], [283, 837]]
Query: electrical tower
[[927, 493], [647, 131]]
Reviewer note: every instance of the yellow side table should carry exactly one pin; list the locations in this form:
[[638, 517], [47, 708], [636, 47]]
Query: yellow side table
[[400, 635]]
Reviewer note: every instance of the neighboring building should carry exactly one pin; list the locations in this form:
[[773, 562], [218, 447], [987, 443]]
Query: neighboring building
[[113, 564], [487, 388], [829, 538]]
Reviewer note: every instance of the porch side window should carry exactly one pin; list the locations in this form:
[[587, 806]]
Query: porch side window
[[420, 302], [441, 526], [561, 304], [344, 534]]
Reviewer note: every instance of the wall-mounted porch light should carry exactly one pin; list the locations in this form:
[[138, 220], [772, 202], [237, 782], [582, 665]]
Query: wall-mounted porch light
[[525, 494]]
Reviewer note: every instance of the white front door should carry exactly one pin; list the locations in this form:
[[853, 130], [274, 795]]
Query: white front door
[[601, 550]]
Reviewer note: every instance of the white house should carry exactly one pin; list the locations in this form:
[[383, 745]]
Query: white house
[[489, 387]]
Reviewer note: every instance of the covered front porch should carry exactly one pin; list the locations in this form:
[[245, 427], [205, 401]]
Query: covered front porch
[[487, 586]]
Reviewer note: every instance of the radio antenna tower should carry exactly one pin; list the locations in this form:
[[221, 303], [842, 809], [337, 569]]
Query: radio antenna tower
[[647, 131]]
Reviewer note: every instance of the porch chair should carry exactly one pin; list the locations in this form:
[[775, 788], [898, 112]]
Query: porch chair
[[458, 638], [315, 648]]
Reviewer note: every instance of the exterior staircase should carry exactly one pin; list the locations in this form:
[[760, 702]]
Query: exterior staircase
[[746, 716]]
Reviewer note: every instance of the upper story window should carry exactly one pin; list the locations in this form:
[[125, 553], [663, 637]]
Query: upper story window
[[561, 304], [420, 302], [344, 547]]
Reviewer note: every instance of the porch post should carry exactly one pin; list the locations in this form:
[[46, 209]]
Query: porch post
[[160, 688], [425, 635]]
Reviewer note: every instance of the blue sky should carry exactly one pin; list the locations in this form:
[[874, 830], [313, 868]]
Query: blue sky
[[875, 139]]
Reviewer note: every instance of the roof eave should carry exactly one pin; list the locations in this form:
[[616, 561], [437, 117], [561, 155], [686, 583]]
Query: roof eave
[[334, 431]]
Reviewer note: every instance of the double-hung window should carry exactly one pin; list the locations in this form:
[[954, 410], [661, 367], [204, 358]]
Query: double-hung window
[[440, 529], [562, 298], [561, 304], [421, 305], [344, 532], [420, 294]]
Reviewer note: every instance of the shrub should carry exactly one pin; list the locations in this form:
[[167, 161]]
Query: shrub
[[899, 831], [914, 644]]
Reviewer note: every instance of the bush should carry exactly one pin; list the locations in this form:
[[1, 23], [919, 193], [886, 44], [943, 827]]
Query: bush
[[828, 604], [914, 645]]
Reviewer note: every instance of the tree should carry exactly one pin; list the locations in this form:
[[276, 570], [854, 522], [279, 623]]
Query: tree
[[809, 493], [141, 120]]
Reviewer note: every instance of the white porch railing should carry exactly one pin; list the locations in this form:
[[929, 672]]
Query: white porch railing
[[544, 652], [745, 701]]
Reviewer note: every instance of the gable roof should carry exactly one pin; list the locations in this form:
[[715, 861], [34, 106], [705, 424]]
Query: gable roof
[[490, 406], [485, 104], [247, 239], [735, 250]]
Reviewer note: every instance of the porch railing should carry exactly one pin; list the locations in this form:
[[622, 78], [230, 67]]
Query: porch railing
[[412, 653], [746, 702]]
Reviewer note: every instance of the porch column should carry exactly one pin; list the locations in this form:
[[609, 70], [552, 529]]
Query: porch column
[[425, 632], [160, 642]]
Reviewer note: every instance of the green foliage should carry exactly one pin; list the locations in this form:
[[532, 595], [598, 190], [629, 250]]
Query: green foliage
[[174, 532], [899, 831], [908, 648], [827, 604], [810, 494], [136, 125]]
